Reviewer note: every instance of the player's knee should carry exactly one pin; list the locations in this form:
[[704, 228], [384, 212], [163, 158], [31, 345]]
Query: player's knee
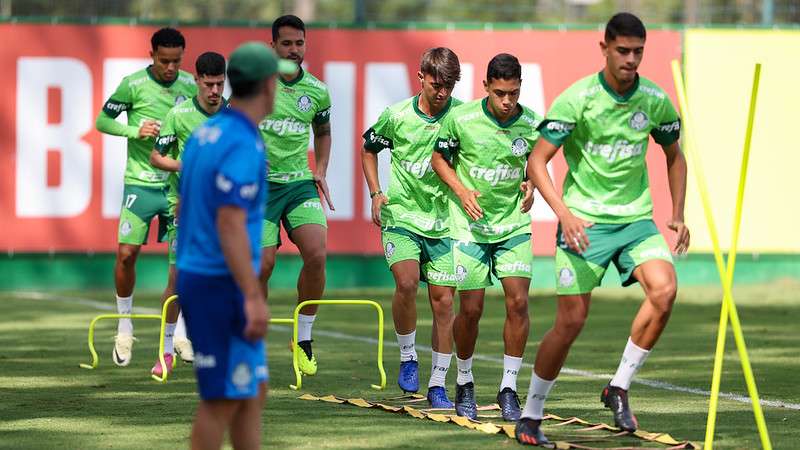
[[407, 287], [442, 304], [471, 311], [571, 325], [126, 256], [662, 296], [314, 258], [517, 306]]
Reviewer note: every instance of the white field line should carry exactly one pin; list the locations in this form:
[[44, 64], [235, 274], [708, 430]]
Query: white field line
[[110, 306]]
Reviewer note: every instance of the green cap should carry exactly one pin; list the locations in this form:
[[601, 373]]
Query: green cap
[[254, 61]]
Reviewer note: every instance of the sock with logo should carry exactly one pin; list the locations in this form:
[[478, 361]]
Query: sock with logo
[[440, 363], [464, 371], [407, 343], [125, 306], [633, 359], [537, 394], [511, 366]]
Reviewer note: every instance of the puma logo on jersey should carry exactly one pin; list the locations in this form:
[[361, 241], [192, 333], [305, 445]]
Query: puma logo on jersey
[[503, 172], [283, 126], [616, 151]]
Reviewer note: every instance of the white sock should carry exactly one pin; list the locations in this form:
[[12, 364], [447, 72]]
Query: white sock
[[537, 394], [125, 306], [180, 328], [511, 366], [169, 343], [633, 359], [440, 362], [464, 371], [407, 343], [304, 324]]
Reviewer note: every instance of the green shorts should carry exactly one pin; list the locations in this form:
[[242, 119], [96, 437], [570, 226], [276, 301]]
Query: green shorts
[[140, 204], [476, 262], [626, 245], [435, 256], [172, 239], [293, 204]]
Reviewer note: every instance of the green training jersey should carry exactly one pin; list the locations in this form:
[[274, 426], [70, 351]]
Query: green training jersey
[[298, 104], [416, 194], [605, 138], [176, 129], [145, 98], [488, 157]]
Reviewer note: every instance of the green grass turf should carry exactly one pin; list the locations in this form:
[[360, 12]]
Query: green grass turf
[[46, 401]]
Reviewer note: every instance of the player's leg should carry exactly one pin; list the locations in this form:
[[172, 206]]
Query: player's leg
[[305, 222], [169, 326], [211, 420], [472, 263], [511, 263], [139, 206], [646, 259], [402, 251], [576, 277], [439, 272], [246, 423]]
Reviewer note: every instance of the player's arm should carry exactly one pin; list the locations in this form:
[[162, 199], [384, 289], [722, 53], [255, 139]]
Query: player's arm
[[369, 162], [572, 228], [235, 244], [164, 162], [120, 101], [676, 176], [321, 125], [444, 169]]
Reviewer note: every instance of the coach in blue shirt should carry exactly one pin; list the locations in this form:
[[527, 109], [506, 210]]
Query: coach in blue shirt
[[222, 200]]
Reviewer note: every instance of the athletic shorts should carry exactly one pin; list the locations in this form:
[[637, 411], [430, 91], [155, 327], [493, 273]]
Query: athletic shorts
[[227, 365], [140, 204], [627, 245], [435, 256], [293, 204], [476, 262]]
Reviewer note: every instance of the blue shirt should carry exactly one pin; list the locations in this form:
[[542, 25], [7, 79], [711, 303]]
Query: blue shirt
[[223, 165]]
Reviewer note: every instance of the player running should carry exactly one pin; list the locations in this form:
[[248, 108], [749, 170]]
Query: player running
[[176, 128], [413, 217], [302, 104], [604, 122], [481, 153], [146, 96]]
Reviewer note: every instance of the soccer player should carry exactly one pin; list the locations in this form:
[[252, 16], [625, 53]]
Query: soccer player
[[481, 153], [302, 104], [413, 217], [604, 122], [221, 212], [176, 128], [146, 96]]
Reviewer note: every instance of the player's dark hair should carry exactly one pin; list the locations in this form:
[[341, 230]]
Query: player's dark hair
[[210, 64], [504, 67], [625, 24], [442, 64], [167, 37], [287, 21]]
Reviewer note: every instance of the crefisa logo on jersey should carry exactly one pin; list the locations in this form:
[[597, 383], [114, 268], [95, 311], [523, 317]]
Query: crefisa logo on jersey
[[639, 121], [180, 99], [519, 147], [304, 103]]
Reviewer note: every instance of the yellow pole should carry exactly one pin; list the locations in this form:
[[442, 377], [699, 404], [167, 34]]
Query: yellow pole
[[726, 273]]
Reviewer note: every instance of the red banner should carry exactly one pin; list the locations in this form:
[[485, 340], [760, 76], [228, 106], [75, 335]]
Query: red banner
[[61, 180]]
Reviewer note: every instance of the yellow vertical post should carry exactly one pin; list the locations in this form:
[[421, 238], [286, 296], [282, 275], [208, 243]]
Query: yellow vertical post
[[725, 271]]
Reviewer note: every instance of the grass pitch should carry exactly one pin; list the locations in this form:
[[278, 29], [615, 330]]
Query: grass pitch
[[48, 402]]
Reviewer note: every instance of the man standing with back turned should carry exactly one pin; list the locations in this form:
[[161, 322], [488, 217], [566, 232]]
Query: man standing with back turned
[[221, 209]]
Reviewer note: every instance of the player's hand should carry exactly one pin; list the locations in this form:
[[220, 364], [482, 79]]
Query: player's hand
[[323, 187], [573, 231], [682, 243], [469, 201], [257, 314], [149, 128], [527, 200], [377, 203]]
